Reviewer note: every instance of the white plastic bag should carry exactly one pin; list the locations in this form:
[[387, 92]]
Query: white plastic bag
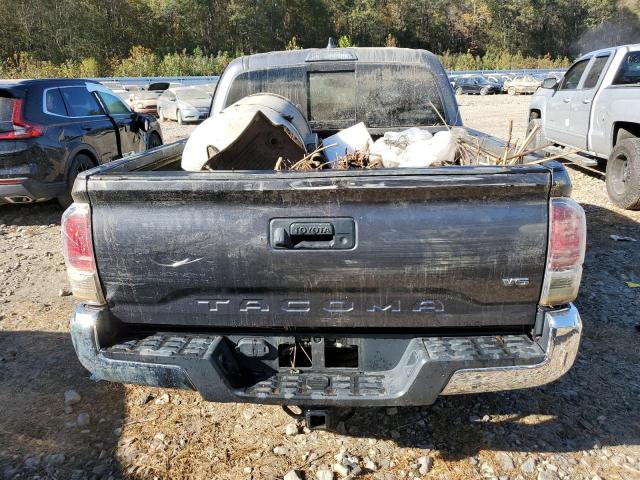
[[415, 148]]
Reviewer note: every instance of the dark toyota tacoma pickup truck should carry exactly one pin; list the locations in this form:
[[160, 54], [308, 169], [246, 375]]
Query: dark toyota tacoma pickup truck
[[455, 279]]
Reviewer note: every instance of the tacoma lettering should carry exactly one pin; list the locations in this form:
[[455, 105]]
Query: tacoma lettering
[[298, 305]]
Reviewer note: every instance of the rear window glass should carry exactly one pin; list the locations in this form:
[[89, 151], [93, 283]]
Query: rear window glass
[[629, 72], [54, 103], [6, 114], [80, 102], [288, 82], [396, 95], [381, 95], [332, 96]]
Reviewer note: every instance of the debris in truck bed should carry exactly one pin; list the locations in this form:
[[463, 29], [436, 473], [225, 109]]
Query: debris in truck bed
[[266, 131], [251, 134], [313, 161], [416, 148], [357, 159], [347, 141], [472, 151], [256, 147]]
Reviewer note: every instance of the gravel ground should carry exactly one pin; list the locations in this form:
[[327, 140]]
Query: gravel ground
[[58, 423]]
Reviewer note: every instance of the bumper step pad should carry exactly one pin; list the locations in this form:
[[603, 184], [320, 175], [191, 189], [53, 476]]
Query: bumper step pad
[[426, 364], [165, 345], [518, 348]]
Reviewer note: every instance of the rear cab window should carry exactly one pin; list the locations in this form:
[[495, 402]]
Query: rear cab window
[[380, 95], [397, 95], [629, 71], [332, 97], [80, 103]]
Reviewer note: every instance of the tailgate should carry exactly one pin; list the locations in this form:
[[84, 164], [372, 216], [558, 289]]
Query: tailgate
[[449, 248]]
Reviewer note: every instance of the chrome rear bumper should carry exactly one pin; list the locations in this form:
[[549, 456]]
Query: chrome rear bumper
[[560, 341], [429, 366]]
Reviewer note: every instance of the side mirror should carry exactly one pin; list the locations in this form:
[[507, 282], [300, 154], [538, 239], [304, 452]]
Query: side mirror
[[550, 83], [143, 123]]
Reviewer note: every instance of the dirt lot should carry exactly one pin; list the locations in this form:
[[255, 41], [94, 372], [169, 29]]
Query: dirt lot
[[585, 426]]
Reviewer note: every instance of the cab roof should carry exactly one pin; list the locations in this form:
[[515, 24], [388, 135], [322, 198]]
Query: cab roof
[[628, 47], [261, 61]]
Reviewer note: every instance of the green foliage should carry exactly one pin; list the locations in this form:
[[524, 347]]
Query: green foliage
[[23, 65], [197, 63], [502, 60], [345, 42], [141, 62], [391, 41], [293, 44], [150, 37], [88, 67]]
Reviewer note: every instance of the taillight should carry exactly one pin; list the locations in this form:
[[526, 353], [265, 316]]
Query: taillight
[[78, 253], [567, 241], [21, 128]]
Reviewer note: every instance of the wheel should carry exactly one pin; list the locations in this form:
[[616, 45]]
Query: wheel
[[484, 91], [623, 174], [161, 116], [153, 141], [539, 140], [80, 163], [179, 118], [458, 91], [511, 91]]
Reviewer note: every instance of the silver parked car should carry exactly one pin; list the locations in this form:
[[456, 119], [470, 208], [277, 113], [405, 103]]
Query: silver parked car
[[186, 104]]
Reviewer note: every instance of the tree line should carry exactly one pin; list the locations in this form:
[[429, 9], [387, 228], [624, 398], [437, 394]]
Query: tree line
[[200, 37]]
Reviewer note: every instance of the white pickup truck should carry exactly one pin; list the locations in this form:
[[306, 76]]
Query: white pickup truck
[[595, 108]]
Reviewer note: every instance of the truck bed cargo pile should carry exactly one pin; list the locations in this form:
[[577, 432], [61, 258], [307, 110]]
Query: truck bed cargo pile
[[265, 131]]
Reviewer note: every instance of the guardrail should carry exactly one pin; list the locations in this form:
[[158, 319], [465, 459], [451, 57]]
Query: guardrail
[[145, 81], [195, 80], [522, 71]]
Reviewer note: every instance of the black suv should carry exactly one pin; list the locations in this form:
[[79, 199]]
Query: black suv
[[478, 85], [50, 130]]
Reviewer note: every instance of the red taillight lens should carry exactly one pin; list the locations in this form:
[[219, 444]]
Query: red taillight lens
[[21, 128], [567, 240], [568, 234], [78, 254], [76, 238]]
